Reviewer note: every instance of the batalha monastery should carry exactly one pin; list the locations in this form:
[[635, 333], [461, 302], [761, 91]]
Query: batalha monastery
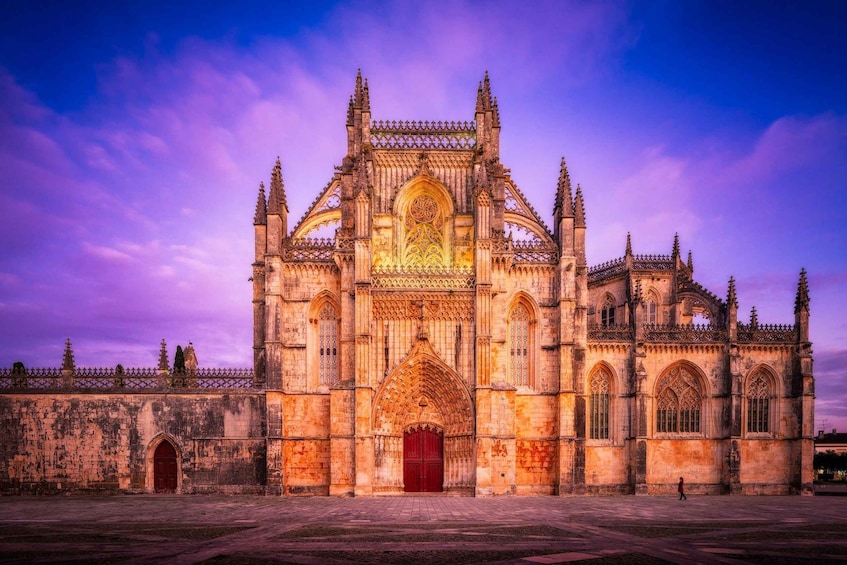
[[421, 329]]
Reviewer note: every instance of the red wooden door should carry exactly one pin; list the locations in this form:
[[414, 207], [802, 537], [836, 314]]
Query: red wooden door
[[423, 460], [164, 468]]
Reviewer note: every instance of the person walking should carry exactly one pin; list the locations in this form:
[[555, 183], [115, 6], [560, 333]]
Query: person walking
[[681, 489]]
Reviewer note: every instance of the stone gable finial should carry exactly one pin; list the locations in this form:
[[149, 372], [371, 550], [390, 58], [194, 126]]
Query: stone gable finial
[[68, 357], [350, 112], [163, 357], [628, 251], [731, 297], [579, 209], [676, 244], [423, 164], [564, 195], [479, 107], [754, 318], [358, 94], [261, 215], [690, 262], [801, 302], [366, 98], [277, 202]]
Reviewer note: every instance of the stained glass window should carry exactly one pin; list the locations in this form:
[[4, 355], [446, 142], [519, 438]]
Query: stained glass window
[[599, 405], [678, 402], [328, 345]]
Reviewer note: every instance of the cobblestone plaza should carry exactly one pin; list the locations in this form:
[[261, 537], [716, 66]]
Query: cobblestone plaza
[[422, 529]]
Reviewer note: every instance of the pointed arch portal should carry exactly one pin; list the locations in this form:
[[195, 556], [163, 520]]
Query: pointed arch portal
[[423, 428]]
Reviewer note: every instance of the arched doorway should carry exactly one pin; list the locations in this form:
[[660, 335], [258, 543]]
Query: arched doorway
[[165, 468], [423, 427], [423, 459]]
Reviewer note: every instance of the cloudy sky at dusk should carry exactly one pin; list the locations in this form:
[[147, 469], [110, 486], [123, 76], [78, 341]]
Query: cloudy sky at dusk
[[133, 141]]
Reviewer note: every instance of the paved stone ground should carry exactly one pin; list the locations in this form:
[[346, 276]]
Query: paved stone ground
[[422, 529]]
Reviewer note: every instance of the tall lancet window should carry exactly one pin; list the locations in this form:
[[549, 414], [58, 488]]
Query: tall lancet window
[[758, 404], [679, 402], [328, 345], [652, 310], [607, 313], [599, 405], [519, 350]]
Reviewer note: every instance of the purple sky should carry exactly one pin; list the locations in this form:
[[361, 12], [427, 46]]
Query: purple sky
[[132, 143]]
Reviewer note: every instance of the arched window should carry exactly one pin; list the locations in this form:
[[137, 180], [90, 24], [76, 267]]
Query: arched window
[[679, 402], [759, 403], [598, 410], [328, 345], [519, 346], [651, 310], [424, 245], [607, 313]]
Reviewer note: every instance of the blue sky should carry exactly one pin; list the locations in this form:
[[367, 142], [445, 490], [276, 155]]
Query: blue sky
[[133, 137]]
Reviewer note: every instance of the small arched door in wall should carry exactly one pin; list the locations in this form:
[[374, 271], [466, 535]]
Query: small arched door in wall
[[165, 468], [423, 459]]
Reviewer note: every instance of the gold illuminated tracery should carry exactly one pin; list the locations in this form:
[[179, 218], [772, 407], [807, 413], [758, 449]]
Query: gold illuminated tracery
[[424, 243]]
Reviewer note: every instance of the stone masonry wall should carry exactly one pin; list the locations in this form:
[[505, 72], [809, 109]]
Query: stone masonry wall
[[104, 442]]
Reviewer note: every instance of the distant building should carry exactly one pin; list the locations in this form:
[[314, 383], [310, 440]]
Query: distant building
[[421, 329], [836, 442]]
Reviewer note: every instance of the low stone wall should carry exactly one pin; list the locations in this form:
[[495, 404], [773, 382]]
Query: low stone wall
[[83, 442]]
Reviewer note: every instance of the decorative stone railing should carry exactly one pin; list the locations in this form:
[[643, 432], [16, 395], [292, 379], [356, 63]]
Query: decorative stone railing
[[767, 333], [309, 249], [85, 379], [652, 262], [689, 333], [422, 135], [534, 252], [610, 333], [607, 270], [417, 277], [770, 333]]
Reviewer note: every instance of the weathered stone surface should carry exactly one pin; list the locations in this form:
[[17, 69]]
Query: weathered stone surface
[[422, 291]]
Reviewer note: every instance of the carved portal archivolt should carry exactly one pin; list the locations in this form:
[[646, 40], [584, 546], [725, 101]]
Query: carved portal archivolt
[[423, 390]]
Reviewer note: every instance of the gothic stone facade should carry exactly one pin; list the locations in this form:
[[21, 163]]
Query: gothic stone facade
[[420, 329]]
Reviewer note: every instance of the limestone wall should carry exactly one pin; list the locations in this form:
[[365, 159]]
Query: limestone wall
[[105, 442]]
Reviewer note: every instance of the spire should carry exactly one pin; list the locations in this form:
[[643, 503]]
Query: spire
[[801, 302], [564, 196], [276, 199], [350, 112], [486, 92], [359, 93], [68, 357], [261, 216], [690, 262], [731, 298], [629, 245], [479, 98], [676, 244], [163, 357], [754, 318], [496, 112], [579, 209], [366, 98]]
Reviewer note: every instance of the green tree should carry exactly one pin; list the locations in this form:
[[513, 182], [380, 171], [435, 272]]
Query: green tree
[[178, 377], [179, 360]]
